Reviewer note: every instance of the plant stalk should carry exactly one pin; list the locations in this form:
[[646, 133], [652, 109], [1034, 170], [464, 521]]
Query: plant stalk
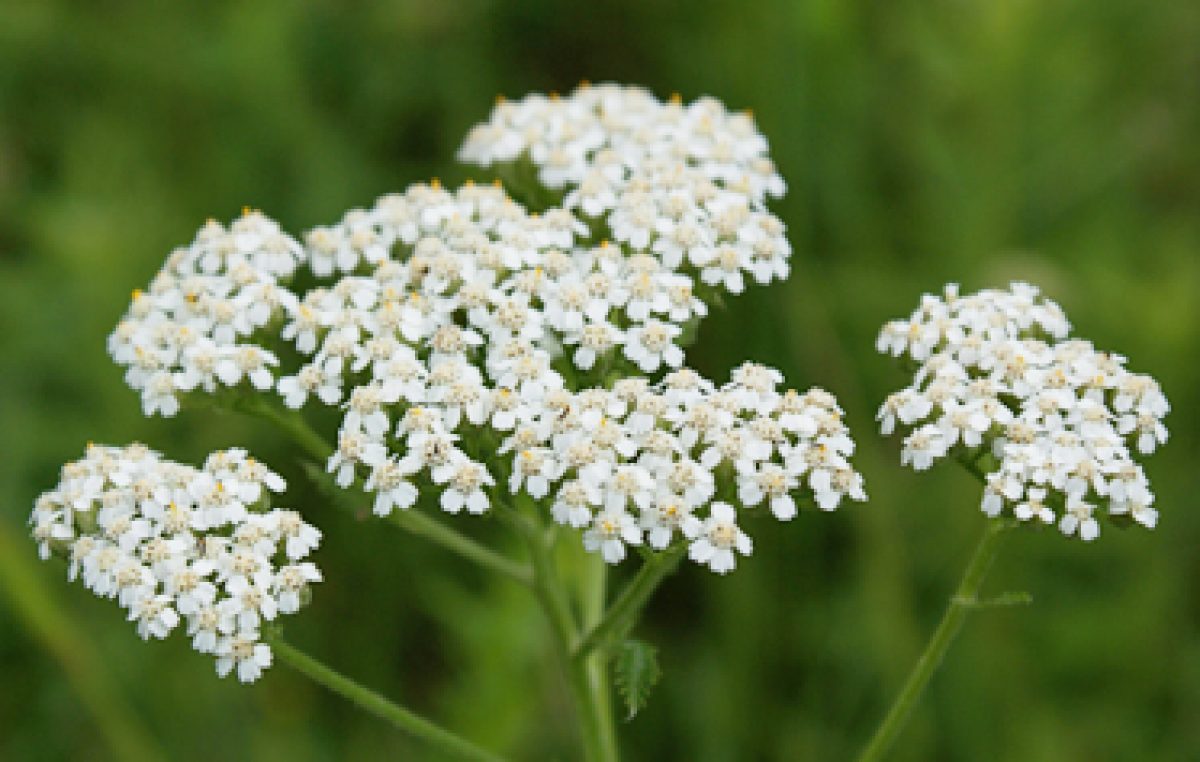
[[620, 616], [431, 529], [597, 734], [960, 604], [594, 596], [437, 738]]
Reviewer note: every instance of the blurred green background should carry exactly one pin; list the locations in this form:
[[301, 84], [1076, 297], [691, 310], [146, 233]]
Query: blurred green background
[[923, 141]]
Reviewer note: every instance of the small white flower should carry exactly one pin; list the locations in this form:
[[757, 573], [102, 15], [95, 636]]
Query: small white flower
[[354, 448], [250, 601], [291, 582], [154, 615], [244, 651], [389, 481], [770, 481], [465, 482], [664, 519], [924, 446], [610, 532], [714, 540], [575, 504], [651, 345], [1078, 518], [1034, 507]]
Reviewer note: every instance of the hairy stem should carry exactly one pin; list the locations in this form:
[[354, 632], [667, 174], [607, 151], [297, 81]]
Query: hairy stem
[[963, 600], [438, 738]]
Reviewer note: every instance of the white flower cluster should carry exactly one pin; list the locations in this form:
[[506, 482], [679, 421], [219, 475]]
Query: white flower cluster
[[443, 353], [462, 335], [1051, 420], [667, 462], [685, 184], [172, 544], [442, 268], [193, 328]]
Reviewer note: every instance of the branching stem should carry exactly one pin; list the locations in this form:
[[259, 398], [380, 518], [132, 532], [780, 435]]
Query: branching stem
[[431, 529], [445, 742], [622, 614]]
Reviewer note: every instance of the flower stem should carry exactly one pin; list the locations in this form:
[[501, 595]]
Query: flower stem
[[431, 529], [595, 716], [599, 683], [436, 737], [624, 610], [961, 602], [419, 523], [292, 423]]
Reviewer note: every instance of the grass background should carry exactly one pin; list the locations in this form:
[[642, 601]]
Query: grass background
[[923, 141]]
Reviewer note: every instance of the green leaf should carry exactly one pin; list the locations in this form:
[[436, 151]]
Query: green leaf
[[637, 671]]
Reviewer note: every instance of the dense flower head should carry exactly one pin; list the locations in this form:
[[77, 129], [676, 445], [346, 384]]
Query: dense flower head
[[177, 545], [477, 349], [460, 363], [636, 464], [684, 184], [670, 462], [1051, 422], [196, 326]]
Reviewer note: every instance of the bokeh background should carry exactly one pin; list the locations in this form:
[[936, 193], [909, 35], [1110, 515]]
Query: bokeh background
[[924, 142]]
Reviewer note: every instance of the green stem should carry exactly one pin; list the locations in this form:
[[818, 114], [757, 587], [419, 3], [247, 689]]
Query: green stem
[[624, 610], [593, 595], [961, 603], [423, 525], [293, 424], [436, 737], [431, 529], [595, 719]]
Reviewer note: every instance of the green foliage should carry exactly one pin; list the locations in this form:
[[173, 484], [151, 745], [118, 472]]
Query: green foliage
[[635, 671]]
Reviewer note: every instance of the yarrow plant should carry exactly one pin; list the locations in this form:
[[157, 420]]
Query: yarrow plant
[[516, 349], [1050, 425], [483, 356]]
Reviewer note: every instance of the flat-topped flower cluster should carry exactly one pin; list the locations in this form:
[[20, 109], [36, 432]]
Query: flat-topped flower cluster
[[175, 544], [1051, 422], [687, 184], [198, 326], [667, 462], [476, 347]]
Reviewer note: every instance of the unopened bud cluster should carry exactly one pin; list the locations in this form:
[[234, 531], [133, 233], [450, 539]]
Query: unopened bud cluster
[[179, 546], [1052, 422]]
